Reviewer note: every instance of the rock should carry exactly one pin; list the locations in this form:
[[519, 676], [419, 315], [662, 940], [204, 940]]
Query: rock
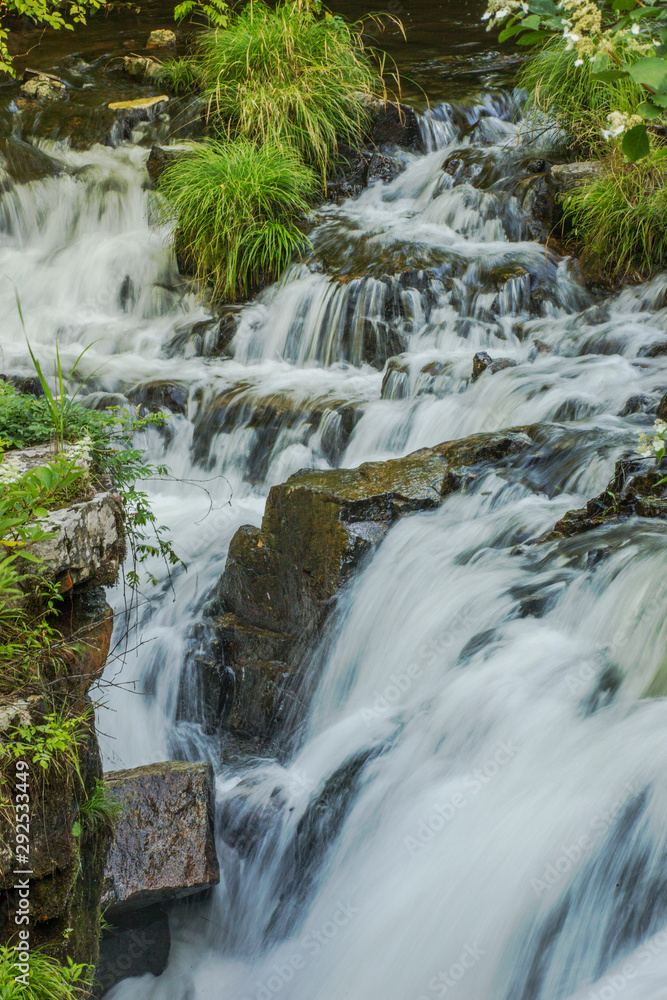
[[383, 169], [631, 493], [24, 162], [395, 125], [141, 67], [87, 543], [567, 177], [161, 38], [163, 846], [483, 362], [661, 412], [43, 87], [157, 396], [161, 156], [396, 379], [135, 944], [129, 114], [640, 403], [280, 580]]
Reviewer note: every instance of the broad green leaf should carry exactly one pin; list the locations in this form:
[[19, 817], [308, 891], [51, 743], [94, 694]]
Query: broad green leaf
[[532, 37], [660, 100], [532, 22], [635, 143], [512, 29], [624, 4], [542, 7], [651, 72], [610, 75], [648, 111]]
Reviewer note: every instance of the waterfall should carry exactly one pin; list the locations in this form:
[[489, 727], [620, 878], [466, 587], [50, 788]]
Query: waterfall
[[476, 806]]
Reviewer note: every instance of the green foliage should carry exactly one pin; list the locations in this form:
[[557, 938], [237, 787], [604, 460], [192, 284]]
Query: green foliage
[[26, 420], [182, 75], [614, 42], [287, 76], [214, 13], [45, 13], [237, 206], [574, 96], [52, 745], [48, 979], [99, 811], [620, 219]]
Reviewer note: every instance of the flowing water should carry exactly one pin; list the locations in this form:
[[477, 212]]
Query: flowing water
[[476, 805]]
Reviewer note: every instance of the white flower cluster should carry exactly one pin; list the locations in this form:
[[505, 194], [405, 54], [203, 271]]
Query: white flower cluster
[[81, 451], [619, 122], [648, 447], [10, 471], [499, 10]]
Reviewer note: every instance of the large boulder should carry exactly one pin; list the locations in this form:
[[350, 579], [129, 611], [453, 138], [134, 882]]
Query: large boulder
[[281, 579], [163, 846]]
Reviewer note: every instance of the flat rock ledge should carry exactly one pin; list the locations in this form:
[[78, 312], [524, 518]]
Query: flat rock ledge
[[281, 580], [87, 543], [163, 845]]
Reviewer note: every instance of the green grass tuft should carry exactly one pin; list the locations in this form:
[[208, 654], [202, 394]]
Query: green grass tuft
[[569, 94], [47, 978], [620, 219], [287, 76], [237, 207]]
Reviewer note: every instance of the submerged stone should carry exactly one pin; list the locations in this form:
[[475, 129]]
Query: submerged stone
[[483, 362]]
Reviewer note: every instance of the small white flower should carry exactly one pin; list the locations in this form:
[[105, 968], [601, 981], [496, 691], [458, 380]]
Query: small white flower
[[578, 62], [658, 444], [645, 450], [660, 426], [634, 29]]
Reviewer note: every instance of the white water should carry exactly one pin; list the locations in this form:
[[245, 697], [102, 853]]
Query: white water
[[501, 832]]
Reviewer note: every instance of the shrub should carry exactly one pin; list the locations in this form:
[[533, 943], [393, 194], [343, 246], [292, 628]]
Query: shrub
[[237, 206], [620, 219], [287, 75]]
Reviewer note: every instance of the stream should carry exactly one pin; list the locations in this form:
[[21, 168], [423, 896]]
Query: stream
[[502, 831]]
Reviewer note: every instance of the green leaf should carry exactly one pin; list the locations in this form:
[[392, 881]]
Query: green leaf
[[648, 111], [660, 100], [624, 4], [512, 29], [610, 75], [532, 22], [651, 72], [542, 7], [532, 37], [635, 143]]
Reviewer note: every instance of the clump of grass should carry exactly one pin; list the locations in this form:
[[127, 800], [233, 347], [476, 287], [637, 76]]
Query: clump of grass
[[620, 219], [182, 75], [287, 76], [573, 97], [46, 980], [237, 207]]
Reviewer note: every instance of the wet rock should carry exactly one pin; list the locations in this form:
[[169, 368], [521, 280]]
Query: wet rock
[[161, 156], [163, 845], [161, 38], [631, 493], [24, 162], [382, 169], [661, 412], [157, 396], [43, 87], [656, 350], [396, 379], [282, 578], [87, 543], [640, 403], [567, 177], [29, 385], [395, 125], [129, 114], [136, 943], [483, 362], [142, 68]]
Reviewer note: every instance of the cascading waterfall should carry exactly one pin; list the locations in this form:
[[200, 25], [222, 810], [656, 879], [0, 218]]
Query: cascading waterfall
[[477, 805]]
